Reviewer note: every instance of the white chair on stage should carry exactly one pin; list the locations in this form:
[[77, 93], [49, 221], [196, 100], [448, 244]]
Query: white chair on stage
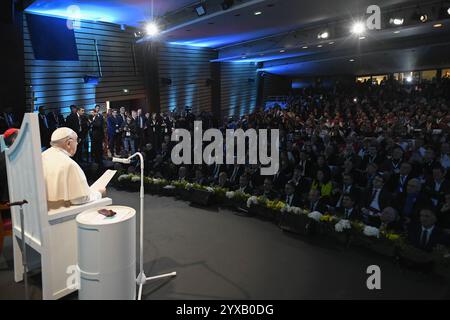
[[51, 234]]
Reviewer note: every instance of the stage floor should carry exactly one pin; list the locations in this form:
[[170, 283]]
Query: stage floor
[[219, 254]]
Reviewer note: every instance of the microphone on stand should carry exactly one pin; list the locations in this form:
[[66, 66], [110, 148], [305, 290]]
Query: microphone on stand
[[122, 160]]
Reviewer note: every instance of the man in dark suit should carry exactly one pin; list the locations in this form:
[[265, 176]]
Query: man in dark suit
[[302, 184], [399, 181], [412, 201], [97, 136], [314, 202], [82, 150], [141, 126], [114, 124], [394, 163], [437, 186], [268, 190], [375, 199], [244, 185], [234, 173], [348, 186], [426, 235], [73, 121], [348, 210], [280, 179], [44, 128], [291, 198]]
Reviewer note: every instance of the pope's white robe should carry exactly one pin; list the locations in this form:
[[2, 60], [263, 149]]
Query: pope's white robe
[[65, 181]]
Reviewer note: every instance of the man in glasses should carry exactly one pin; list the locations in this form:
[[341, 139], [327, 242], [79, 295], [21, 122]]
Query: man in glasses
[[65, 181]]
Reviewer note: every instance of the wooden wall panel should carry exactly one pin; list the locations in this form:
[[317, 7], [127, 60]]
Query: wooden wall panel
[[238, 88], [188, 68], [58, 84]]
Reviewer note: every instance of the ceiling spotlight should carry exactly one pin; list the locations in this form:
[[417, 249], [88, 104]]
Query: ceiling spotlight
[[409, 79], [397, 31], [152, 29], [332, 42], [438, 25], [319, 46], [396, 21], [201, 10], [423, 18], [257, 13], [323, 35], [362, 38], [282, 51], [305, 47], [358, 28], [352, 60], [444, 12]]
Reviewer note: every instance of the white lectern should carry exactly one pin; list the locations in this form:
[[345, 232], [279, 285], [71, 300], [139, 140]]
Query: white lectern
[[107, 254]]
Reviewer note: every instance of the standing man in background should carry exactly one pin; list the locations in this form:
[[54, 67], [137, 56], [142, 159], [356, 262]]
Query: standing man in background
[[44, 128], [97, 136]]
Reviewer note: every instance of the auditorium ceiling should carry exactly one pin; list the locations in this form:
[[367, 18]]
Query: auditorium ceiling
[[283, 37]]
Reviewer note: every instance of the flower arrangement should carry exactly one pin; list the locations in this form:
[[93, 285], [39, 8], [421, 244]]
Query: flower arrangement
[[275, 205], [124, 177], [230, 194], [371, 231], [293, 210], [253, 200], [342, 225], [315, 215], [328, 218]]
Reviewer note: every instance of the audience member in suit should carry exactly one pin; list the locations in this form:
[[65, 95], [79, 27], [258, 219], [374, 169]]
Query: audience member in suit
[[199, 176], [97, 136], [399, 181], [306, 165], [429, 162], [244, 185], [394, 163], [315, 202], [222, 181], [410, 203], [302, 184], [269, 191], [425, 234], [348, 210], [438, 186], [44, 128], [375, 199], [280, 179], [389, 221], [82, 150], [348, 186], [372, 156], [368, 176], [291, 198], [183, 174]]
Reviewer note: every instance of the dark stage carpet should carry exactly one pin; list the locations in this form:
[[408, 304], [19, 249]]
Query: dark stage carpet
[[221, 255]]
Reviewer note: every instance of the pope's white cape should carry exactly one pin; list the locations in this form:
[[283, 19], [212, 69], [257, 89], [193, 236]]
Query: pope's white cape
[[64, 179]]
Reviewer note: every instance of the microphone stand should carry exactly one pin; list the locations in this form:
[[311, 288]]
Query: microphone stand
[[142, 279], [24, 243]]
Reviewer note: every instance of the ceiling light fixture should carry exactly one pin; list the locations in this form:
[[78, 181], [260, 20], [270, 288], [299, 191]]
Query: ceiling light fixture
[[257, 13], [352, 60], [152, 29], [358, 28], [323, 35], [438, 25], [397, 21], [201, 10]]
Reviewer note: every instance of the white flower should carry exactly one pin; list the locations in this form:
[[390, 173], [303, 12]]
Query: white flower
[[371, 231], [315, 215], [286, 209], [297, 210], [342, 225], [135, 179], [189, 186], [169, 187], [252, 200], [209, 189], [123, 177], [230, 194]]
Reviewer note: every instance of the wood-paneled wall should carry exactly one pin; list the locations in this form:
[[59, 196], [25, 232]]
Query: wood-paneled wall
[[238, 88], [188, 68], [58, 84]]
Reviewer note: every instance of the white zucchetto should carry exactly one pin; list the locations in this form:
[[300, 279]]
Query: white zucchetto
[[62, 133]]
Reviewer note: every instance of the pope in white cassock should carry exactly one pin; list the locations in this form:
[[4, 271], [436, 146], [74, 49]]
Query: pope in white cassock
[[65, 181]]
